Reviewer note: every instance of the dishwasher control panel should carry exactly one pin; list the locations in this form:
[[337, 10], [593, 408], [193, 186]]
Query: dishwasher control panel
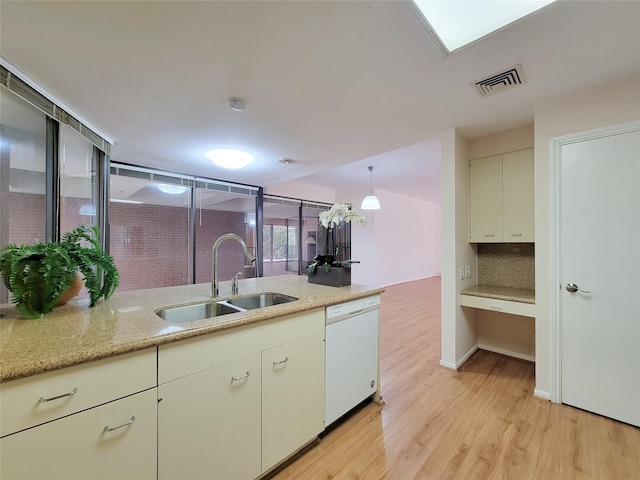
[[353, 307]]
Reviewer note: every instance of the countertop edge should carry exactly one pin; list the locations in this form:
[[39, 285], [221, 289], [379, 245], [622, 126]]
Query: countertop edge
[[243, 318], [513, 295]]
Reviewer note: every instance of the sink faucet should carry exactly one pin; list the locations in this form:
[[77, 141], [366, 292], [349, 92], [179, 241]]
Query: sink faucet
[[214, 259]]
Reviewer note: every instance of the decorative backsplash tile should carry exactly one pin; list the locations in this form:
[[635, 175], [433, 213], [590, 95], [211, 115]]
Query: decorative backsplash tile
[[507, 265]]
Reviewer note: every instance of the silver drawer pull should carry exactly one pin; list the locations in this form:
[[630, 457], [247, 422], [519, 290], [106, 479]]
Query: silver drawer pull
[[286, 359], [235, 379], [111, 429], [490, 235], [72, 392], [516, 234]]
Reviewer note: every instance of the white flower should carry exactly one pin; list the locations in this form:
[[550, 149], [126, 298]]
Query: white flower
[[340, 212]]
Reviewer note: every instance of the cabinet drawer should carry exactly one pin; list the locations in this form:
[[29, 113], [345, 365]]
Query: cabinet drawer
[[41, 398], [503, 306], [178, 359], [79, 447]]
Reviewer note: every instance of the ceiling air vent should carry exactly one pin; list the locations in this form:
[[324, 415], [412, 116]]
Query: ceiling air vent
[[500, 81]]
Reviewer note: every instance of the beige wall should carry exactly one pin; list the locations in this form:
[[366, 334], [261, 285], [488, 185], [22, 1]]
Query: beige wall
[[610, 104], [458, 339], [400, 243], [512, 140]]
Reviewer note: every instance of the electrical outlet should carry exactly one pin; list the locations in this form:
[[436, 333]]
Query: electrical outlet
[[461, 273], [467, 271]]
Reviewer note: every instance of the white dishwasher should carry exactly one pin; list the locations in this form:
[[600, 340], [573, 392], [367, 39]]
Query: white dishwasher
[[351, 358]]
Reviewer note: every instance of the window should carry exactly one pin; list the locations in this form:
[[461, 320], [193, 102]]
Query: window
[[78, 181], [222, 208], [163, 227], [149, 229], [22, 173], [280, 242]]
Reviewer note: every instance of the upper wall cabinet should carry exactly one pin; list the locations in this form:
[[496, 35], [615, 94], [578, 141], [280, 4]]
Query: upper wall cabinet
[[501, 198]]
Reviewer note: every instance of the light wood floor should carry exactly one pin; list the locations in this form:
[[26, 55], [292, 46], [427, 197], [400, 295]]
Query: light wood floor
[[481, 422]]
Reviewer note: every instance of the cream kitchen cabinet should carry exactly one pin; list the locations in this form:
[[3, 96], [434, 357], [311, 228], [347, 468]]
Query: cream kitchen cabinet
[[96, 420], [501, 198], [209, 423], [292, 397], [235, 403]]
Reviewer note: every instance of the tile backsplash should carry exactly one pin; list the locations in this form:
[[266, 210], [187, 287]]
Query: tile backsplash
[[507, 265]]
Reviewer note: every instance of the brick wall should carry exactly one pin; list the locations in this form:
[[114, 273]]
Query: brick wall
[[211, 224], [150, 245], [26, 218]]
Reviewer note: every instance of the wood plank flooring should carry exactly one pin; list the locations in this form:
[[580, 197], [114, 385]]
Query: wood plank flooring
[[481, 422]]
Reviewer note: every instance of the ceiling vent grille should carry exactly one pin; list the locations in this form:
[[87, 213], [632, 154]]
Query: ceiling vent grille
[[499, 82]]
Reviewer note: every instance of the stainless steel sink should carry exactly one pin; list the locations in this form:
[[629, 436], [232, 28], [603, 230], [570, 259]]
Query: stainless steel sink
[[209, 309], [197, 311], [260, 300]]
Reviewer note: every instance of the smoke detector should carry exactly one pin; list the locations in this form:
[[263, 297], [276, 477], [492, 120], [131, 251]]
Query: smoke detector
[[237, 104], [286, 161]]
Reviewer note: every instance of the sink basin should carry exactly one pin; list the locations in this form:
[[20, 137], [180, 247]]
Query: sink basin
[[209, 309], [260, 300], [197, 311]]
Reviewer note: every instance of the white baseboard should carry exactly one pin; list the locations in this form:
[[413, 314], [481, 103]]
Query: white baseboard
[[466, 356], [542, 394], [509, 353], [458, 364], [449, 365]]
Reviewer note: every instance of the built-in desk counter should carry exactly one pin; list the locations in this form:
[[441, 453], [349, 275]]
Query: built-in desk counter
[[516, 301]]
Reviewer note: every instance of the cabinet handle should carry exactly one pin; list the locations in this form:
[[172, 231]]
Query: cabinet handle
[[499, 309], [286, 359], [490, 235], [235, 379], [72, 392], [107, 428], [516, 234]]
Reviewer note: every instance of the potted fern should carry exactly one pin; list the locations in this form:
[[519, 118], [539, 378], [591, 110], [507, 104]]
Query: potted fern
[[37, 275]]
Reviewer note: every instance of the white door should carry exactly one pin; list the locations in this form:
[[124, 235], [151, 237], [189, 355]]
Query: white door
[[600, 255]]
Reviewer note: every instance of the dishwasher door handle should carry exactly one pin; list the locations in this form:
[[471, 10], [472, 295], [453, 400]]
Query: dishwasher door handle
[[356, 312]]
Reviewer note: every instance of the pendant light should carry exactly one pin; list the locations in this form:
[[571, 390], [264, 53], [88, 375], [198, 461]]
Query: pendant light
[[370, 202]]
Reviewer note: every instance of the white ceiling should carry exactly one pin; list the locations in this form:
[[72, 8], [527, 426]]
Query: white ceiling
[[333, 85]]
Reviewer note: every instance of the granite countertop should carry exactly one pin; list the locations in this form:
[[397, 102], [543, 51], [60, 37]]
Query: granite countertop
[[74, 333], [501, 293]]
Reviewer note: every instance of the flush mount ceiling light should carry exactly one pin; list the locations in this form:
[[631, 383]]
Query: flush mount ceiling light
[[229, 158], [172, 189], [370, 202], [452, 25]]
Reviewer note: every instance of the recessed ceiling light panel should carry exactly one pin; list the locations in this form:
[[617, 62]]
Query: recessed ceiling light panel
[[459, 23], [229, 158]]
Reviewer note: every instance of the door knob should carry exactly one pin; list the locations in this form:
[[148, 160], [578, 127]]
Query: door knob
[[573, 288]]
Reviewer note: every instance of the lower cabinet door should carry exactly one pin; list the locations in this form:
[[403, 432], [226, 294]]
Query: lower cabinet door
[[209, 423], [113, 441], [292, 397]]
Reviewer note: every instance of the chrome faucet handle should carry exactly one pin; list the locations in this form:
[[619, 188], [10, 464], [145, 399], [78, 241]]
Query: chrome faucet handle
[[234, 283]]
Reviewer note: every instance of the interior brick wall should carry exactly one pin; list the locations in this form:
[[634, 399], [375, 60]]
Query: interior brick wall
[[26, 218]]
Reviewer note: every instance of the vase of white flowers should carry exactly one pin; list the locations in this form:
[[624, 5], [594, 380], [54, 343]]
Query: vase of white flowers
[[326, 268]]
